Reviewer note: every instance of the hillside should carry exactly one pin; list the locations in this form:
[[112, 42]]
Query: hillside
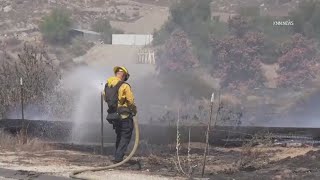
[[24, 16]]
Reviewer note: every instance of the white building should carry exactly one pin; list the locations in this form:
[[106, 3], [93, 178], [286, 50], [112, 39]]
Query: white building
[[132, 39]]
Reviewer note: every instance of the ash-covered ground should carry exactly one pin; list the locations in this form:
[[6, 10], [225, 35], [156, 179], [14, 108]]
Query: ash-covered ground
[[161, 162]]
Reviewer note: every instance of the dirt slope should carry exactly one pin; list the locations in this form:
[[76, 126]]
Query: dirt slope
[[108, 56], [24, 16], [151, 20]]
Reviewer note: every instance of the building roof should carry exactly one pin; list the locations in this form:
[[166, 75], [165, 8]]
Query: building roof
[[86, 31], [224, 17]]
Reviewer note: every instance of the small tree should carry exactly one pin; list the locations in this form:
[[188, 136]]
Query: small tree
[[9, 91], [184, 13], [39, 75], [79, 46], [194, 18], [160, 36], [237, 60], [176, 55], [104, 27], [239, 25], [55, 26]]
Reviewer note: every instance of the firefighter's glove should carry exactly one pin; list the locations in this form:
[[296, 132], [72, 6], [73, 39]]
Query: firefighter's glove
[[111, 117], [134, 112], [110, 121]]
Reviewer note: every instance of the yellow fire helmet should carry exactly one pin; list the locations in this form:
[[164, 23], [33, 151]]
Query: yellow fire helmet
[[123, 69]]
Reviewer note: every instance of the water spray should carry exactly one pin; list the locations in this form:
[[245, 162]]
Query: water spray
[[85, 85], [135, 147]]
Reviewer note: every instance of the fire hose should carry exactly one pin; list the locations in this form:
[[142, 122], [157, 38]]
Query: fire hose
[[136, 143]]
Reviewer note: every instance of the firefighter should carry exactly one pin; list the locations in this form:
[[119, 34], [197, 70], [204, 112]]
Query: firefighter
[[121, 109]]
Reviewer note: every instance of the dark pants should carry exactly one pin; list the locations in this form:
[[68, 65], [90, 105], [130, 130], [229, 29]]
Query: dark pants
[[123, 130]]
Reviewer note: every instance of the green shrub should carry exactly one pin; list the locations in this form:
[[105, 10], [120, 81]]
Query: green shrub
[[194, 18], [40, 77], [79, 46], [55, 26], [104, 27], [219, 29], [176, 55], [186, 12], [160, 37]]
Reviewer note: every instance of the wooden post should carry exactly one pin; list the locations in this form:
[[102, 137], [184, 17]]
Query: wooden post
[[207, 136], [21, 91], [102, 123], [23, 131]]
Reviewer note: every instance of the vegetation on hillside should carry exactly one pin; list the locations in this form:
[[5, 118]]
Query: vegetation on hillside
[[79, 46], [236, 50], [176, 55], [297, 60], [194, 18], [232, 52], [55, 26], [237, 60], [306, 19], [40, 77]]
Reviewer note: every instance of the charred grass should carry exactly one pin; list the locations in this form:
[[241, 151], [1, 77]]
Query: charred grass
[[9, 142]]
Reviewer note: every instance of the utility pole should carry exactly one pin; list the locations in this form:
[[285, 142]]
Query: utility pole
[[218, 110], [23, 125]]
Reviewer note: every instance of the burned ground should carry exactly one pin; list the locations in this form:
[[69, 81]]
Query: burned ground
[[246, 162]]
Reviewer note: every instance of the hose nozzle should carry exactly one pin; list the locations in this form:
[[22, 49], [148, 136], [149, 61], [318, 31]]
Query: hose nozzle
[[212, 97]]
